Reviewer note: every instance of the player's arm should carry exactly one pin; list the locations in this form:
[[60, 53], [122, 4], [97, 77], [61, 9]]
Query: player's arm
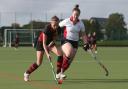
[[85, 41], [84, 38], [45, 46], [62, 23]]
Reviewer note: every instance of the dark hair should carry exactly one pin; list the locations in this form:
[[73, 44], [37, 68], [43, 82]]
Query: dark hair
[[54, 18], [76, 8]]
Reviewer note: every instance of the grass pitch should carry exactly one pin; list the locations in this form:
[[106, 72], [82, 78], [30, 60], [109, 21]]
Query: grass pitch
[[84, 72]]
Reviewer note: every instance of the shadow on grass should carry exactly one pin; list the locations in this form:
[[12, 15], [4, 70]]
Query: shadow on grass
[[82, 81], [43, 80], [44, 84]]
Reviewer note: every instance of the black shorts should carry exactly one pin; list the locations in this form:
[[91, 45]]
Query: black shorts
[[73, 43], [39, 46], [93, 42]]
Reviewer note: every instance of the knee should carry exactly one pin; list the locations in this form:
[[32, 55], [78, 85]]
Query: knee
[[39, 63], [67, 52], [59, 53]]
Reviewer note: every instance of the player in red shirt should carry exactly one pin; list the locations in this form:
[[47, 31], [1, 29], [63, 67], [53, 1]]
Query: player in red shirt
[[16, 41], [94, 46], [45, 43]]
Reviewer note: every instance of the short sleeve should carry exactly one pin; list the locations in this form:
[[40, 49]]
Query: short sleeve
[[63, 23], [46, 30]]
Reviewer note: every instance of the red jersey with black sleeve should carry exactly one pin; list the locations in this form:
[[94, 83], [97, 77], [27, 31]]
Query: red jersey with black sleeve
[[49, 32]]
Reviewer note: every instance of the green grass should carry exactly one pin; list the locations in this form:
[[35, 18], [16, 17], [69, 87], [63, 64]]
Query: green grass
[[84, 72], [113, 43]]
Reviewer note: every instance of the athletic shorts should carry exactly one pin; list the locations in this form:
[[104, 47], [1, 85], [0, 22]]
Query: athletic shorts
[[73, 43], [94, 42], [39, 46]]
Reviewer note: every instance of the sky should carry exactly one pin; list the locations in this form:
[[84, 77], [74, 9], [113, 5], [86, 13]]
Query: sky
[[22, 11]]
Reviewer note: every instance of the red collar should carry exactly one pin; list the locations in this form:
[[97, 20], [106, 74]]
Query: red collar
[[71, 19]]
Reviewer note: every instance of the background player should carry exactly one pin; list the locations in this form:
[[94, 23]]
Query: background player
[[91, 41], [94, 46], [16, 44]]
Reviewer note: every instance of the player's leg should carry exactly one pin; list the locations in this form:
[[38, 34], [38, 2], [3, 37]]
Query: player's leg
[[58, 52], [16, 45], [73, 53], [34, 65], [94, 48], [73, 46], [66, 64], [68, 54]]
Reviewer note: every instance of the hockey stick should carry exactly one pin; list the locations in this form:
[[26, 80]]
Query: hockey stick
[[98, 61], [53, 71]]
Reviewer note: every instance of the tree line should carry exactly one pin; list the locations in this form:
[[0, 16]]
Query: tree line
[[113, 28]]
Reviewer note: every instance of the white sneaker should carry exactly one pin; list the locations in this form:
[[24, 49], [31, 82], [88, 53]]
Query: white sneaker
[[26, 77], [95, 52], [63, 76], [59, 75]]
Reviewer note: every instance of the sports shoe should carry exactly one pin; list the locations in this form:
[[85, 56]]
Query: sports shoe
[[26, 77], [59, 75], [95, 52]]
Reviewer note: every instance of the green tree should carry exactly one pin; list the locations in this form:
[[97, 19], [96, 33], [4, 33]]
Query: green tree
[[115, 28], [15, 25], [87, 26], [93, 26], [35, 25]]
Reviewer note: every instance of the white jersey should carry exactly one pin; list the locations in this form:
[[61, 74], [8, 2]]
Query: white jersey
[[72, 31]]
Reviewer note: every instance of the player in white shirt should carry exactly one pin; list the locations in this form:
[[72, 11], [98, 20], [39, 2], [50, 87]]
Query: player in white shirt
[[73, 30]]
